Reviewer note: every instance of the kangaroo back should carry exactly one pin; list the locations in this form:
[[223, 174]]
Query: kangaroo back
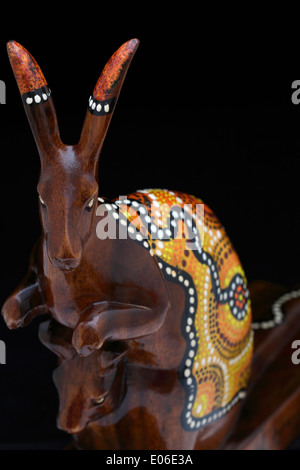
[[193, 251]]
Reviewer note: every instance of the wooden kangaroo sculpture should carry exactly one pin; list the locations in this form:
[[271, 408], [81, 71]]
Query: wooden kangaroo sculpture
[[149, 306]]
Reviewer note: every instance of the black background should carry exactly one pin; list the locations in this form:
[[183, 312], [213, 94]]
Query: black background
[[214, 119]]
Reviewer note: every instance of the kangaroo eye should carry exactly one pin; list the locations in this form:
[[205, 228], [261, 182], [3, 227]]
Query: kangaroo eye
[[99, 401], [90, 205], [42, 202]]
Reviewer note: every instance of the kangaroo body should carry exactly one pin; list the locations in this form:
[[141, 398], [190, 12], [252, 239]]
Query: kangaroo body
[[150, 310]]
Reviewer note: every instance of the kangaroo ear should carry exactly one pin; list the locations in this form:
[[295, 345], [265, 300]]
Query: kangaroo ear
[[57, 338], [36, 97], [103, 101], [110, 354]]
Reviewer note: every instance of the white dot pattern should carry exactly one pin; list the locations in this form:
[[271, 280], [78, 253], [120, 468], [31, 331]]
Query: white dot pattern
[[36, 97], [100, 108]]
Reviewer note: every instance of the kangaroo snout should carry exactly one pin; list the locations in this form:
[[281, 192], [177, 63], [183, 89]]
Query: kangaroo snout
[[65, 264], [65, 258], [70, 428], [64, 245]]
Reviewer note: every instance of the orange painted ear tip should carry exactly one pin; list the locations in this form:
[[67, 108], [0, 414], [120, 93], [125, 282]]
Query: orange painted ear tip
[[14, 47], [26, 70], [135, 41], [17, 52], [11, 43], [133, 44]]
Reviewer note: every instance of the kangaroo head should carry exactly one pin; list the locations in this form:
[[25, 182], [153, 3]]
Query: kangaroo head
[[89, 387], [68, 183]]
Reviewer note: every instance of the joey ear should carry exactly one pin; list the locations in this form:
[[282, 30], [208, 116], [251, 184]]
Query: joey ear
[[36, 97], [103, 101], [110, 354], [57, 338]]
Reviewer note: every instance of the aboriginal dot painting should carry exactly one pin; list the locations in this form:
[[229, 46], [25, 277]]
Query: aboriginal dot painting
[[192, 249]]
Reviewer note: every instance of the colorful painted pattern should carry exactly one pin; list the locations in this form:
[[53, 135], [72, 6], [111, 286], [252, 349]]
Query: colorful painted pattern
[[113, 72], [34, 89], [26, 70], [193, 250], [106, 91]]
